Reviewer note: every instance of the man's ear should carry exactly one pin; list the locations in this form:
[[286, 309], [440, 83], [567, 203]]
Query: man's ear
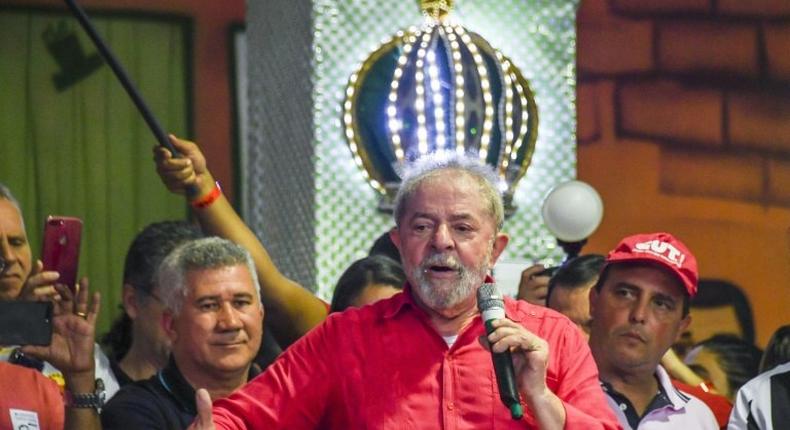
[[394, 236], [684, 324], [500, 242], [129, 299], [168, 324]]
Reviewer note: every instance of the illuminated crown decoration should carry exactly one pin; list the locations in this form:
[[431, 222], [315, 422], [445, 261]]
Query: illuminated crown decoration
[[438, 88]]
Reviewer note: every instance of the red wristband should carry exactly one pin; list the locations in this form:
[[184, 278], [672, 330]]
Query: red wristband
[[209, 198]]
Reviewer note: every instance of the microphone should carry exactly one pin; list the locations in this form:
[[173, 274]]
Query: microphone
[[492, 307]]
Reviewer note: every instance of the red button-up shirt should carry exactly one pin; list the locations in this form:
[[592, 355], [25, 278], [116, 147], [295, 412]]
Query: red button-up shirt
[[384, 367]]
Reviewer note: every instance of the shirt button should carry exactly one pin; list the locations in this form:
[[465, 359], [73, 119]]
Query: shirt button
[[450, 406]]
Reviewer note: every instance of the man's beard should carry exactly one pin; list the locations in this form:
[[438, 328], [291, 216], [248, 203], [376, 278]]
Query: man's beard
[[443, 297]]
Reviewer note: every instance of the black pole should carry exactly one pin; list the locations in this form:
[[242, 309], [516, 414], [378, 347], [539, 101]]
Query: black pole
[[119, 71]]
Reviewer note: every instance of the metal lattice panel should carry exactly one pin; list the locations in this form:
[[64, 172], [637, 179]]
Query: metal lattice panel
[[539, 36], [309, 201], [280, 164], [347, 219]]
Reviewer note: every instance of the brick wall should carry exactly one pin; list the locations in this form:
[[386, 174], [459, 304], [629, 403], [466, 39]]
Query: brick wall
[[684, 125]]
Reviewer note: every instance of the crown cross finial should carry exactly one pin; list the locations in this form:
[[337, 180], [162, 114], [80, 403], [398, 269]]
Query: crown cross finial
[[437, 9]]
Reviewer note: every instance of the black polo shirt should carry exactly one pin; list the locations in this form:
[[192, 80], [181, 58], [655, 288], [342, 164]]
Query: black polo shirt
[[164, 401], [120, 375]]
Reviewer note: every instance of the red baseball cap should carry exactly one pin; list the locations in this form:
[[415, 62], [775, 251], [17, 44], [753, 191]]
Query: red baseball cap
[[661, 248]]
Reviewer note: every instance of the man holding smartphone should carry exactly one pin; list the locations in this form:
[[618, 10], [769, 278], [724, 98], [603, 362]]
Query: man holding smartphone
[[19, 278], [14, 248]]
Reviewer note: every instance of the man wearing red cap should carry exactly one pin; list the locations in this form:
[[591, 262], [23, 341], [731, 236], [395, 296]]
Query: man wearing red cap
[[639, 307]]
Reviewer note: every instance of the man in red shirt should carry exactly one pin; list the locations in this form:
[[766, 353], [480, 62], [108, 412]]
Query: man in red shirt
[[416, 360]]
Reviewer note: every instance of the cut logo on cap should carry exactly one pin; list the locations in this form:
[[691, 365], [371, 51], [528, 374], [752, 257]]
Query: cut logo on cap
[[661, 249]]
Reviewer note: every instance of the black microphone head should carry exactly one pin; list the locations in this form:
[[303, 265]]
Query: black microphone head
[[488, 297]]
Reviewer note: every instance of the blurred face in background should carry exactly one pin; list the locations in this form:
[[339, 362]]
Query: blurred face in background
[[146, 309], [574, 303], [14, 250]]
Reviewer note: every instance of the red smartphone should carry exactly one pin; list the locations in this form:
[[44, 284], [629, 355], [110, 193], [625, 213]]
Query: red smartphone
[[61, 250]]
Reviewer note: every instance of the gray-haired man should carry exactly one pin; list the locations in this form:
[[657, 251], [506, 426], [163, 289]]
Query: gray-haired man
[[414, 360], [20, 275], [214, 319]]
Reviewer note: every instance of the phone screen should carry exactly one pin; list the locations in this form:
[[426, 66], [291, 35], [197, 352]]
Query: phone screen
[[25, 322]]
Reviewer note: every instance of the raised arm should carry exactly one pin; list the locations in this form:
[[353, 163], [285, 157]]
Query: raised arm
[[293, 310]]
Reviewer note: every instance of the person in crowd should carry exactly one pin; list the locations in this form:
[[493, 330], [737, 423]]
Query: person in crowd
[[292, 310], [214, 320], [534, 284], [569, 289], [22, 279], [762, 403], [778, 349], [639, 307], [137, 342], [725, 362], [367, 281], [416, 360], [383, 246], [20, 276]]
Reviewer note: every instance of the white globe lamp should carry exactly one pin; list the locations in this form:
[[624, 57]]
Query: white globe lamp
[[572, 211]]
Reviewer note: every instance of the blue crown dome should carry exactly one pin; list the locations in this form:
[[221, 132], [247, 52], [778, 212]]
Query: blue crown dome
[[438, 88]]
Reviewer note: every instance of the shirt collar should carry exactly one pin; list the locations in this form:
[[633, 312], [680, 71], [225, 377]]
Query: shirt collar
[[660, 400], [667, 396], [174, 382], [399, 302], [678, 398]]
